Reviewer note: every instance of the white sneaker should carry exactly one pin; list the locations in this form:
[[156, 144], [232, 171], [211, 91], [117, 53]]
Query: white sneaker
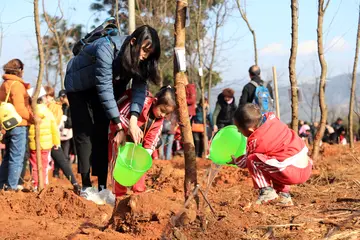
[[266, 195], [20, 187], [87, 191]]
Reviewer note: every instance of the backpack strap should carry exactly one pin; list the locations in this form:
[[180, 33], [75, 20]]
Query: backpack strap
[[254, 83], [8, 94]]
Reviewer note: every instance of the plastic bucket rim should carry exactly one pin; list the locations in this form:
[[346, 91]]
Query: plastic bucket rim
[[131, 167], [210, 150]]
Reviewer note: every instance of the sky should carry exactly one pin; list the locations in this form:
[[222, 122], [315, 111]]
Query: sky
[[271, 21]]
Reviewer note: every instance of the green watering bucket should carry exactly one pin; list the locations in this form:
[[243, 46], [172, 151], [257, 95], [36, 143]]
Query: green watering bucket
[[131, 164], [228, 141]]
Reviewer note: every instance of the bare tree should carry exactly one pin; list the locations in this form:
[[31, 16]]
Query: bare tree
[[116, 13], [1, 36], [353, 86], [36, 94], [219, 22], [322, 103], [244, 17], [60, 43], [202, 79], [180, 79], [292, 65]]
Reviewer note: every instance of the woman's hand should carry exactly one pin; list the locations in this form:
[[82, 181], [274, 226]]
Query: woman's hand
[[134, 130], [119, 138]]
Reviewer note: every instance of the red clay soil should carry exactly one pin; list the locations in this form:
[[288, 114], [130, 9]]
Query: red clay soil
[[327, 206]]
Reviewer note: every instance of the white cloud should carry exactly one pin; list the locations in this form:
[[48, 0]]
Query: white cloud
[[273, 49], [337, 44], [307, 47]]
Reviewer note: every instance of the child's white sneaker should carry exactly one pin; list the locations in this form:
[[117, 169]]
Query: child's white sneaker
[[285, 199], [266, 195]]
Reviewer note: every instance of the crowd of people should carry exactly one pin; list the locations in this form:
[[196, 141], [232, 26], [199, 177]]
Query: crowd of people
[[98, 112], [55, 132], [334, 133], [222, 115]]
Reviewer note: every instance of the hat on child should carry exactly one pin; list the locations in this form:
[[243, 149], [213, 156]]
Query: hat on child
[[62, 93], [42, 93]]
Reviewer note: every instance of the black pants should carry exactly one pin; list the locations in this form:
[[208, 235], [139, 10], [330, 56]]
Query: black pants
[[26, 161], [59, 159], [65, 145], [199, 142], [90, 127]]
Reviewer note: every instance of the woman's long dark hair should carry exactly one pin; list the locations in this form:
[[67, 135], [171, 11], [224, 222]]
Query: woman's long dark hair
[[130, 65]]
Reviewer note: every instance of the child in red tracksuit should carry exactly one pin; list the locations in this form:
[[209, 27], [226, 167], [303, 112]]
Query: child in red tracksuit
[[150, 121], [275, 155]]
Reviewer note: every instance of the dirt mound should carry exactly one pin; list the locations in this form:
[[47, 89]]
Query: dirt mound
[[53, 202], [137, 213], [327, 206]]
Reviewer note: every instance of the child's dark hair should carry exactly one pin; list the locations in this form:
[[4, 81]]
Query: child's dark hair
[[166, 96], [248, 116]]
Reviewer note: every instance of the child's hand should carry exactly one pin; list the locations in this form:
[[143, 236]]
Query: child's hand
[[134, 130], [233, 159], [56, 147]]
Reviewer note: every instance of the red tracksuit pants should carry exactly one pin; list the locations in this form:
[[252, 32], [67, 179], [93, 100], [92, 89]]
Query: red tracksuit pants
[[118, 189], [280, 179], [45, 160]]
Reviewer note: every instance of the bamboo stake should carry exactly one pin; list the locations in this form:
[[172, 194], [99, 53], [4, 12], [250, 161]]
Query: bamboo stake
[[276, 92]]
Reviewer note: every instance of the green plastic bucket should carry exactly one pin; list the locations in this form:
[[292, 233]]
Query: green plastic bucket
[[228, 141], [131, 164]]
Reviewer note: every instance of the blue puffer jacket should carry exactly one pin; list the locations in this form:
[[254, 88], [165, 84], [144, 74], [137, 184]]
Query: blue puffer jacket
[[93, 67]]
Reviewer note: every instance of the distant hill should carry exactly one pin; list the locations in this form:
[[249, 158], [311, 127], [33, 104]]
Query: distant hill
[[337, 96]]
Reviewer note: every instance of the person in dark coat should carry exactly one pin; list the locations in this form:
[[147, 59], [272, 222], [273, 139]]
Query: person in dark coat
[[248, 93], [338, 128], [224, 109], [198, 118], [94, 79]]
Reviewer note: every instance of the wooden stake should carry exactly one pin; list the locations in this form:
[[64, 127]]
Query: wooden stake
[[131, 10], [276, 92]]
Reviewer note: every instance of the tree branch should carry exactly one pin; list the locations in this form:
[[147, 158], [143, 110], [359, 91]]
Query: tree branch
[[244, 17], [326, 6]]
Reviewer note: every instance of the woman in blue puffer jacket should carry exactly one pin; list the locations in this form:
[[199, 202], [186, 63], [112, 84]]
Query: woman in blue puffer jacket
[[95, 79]]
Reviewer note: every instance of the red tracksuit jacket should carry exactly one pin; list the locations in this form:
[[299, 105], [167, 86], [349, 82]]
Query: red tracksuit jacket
[[153, 134], [151, 137], [274, 143]]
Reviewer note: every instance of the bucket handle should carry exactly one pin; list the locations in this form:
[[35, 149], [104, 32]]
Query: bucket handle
[[132, 157], [131, 160]]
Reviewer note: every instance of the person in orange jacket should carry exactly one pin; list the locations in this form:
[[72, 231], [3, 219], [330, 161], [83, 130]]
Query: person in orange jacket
[[15, 138]]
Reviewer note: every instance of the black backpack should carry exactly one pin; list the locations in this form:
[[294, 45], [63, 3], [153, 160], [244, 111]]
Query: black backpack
[[107, 28]]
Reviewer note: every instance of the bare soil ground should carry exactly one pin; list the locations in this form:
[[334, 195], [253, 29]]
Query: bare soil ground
[[326, 207]]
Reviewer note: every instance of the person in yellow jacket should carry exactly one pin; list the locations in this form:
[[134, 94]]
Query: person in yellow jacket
[[56, 108], [49, 139]]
